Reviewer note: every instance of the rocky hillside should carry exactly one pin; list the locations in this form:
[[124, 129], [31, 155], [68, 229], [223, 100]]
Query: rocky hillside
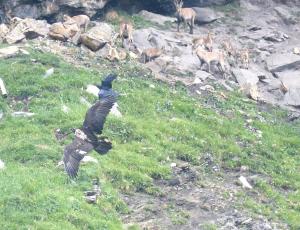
[[55, 8]]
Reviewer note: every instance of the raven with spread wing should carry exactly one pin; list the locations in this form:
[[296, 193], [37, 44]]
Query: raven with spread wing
[[86, 139]]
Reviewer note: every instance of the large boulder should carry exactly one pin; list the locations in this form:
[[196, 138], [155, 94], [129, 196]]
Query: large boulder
[[268, 34], [10, 51], [205, 15], [3, 31], [156, 18], [247, 80], [27, 11], [279, 62], [63, 32], [97, 37], [285, 14], [245, 76], [38, 9], [27, 28], [204, 3], [140, 38], [15, 36], [35, 28], [289, 79], [147, 38], [292, 97]]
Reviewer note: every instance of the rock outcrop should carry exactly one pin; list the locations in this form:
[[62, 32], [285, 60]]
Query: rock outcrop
[[3, 31], [46, 8], [156, 18], [63, 32], [97, 37], [27, 29]]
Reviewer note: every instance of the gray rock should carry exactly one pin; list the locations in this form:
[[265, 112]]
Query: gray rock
[[15, 36], [103, 52], [27, 28], [27, 11], [140, 39], [285, 15], [245, 77], [90, 7], [279, 62], [203, 3], [97, 37], [2, 165], [186, 63], [267, 34], [272, 84], [260, 72], [147, 38], [156, 18], [292, 97], [38, 9], [35, 28], [256, 35], [3, 31], [290, 79], [276, 36], [205, 15], [9, 51], [63, 31], [264, 45], [203, 75], [22, 114]]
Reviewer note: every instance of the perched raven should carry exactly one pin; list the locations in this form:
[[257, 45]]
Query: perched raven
[[86, 139]]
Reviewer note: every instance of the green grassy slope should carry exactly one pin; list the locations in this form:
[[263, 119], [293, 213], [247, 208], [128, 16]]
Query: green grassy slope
[[158, 123]]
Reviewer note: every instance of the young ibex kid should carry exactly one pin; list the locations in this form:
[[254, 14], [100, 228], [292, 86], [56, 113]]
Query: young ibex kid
[[244, 58], [206, 42], [208, 57], [151, 53], [126, 30], [187, 15]]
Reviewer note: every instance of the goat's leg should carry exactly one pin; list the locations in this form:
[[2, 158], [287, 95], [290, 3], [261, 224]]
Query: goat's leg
[[178, 24], [208, 63], [221, 68], [191, 27]]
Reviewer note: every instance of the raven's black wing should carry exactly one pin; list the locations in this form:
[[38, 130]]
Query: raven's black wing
[[96, 115], [74, 153]]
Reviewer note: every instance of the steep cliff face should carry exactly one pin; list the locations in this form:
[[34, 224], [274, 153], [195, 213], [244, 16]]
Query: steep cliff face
[[48, 8], [53, 9]]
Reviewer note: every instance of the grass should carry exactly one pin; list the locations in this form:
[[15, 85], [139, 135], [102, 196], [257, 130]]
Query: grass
[[138, 21], [157, 124]]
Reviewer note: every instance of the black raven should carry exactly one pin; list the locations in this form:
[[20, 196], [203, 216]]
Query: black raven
[[86, 138]]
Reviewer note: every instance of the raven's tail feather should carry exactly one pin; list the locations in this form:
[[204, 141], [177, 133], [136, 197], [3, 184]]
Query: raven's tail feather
[[103, 147]]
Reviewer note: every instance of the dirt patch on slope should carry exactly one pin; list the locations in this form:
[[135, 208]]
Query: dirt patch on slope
[[193, 201]]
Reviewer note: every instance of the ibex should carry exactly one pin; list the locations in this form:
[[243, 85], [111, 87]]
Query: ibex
[[244, 57], [111, 16], [228, 48], [208, 57], [126, 29], [206, 42], [80, 20], [187, 15], [151, 53], [113, 53]]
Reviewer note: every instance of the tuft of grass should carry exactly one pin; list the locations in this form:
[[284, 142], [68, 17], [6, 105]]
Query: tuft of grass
[[137, 21], [158, 124]]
